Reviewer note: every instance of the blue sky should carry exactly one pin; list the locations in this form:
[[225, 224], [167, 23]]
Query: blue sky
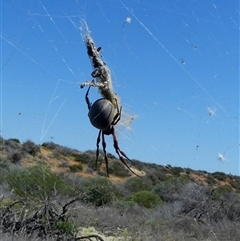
[[175, 66]]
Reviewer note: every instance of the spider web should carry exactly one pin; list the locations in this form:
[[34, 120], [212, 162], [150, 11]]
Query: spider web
[[175, 67]]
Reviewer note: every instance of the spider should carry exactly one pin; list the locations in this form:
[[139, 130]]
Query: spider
[[102, 116]]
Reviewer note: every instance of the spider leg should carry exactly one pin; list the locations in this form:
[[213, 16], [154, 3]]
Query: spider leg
[[87, 99], [117, 117], [98, 141], [119, 152], [104, 145]]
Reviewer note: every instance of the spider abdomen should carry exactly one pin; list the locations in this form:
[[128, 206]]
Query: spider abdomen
[[101, 114]]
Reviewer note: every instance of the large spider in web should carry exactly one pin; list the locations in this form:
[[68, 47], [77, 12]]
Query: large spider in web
[[103, 116]]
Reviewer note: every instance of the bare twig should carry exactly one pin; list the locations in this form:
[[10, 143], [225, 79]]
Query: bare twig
[[89, 237]]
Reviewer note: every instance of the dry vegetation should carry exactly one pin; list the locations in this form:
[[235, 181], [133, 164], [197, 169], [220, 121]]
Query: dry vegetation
[[51, 192]]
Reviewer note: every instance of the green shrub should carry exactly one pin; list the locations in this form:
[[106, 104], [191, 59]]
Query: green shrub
[[30, 147], [152, 178], [83, 158], [169, 190], [235, 184], [15, 156], [176, 171], [221, 191], [188, 170], [211, 180], [97, 191], [111, 156], [4, 169], [11, 146], [157, 173], [66, 151], [76, 168], [89, 170], [95, 166], [65, 227], [145, 198], [56, 154], [102, 173], [14, 139], [161, 175], [220, 176], [4, 164], [117, 168], [36, 182], [49, 145], [136, 184]]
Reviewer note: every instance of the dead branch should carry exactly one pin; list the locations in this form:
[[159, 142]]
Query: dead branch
[[89, 237], [42, 221]]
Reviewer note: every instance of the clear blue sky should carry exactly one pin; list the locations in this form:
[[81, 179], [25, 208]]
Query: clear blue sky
[[175, 65]]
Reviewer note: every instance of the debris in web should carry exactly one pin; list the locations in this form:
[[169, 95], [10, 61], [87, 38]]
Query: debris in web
[[211, 112], [101, 72], [222, 158], [128, 20]]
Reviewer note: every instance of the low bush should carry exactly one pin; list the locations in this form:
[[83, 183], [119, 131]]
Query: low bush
[[30, 147], [89, 170], [67, 227], [111, 156], [13, 150], [93, 165], [220, 192], [83, 158], [145, 198], [157, 173], [235, 184], [220, 176], [211, 180], [49, 145], [36, 182], [56, 154], [176, 171], [66, 151], [134, 184], [169, 190], [4, 169], [76, 168], [117, 168], [14, 139], [97, 191], [15, 156]]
